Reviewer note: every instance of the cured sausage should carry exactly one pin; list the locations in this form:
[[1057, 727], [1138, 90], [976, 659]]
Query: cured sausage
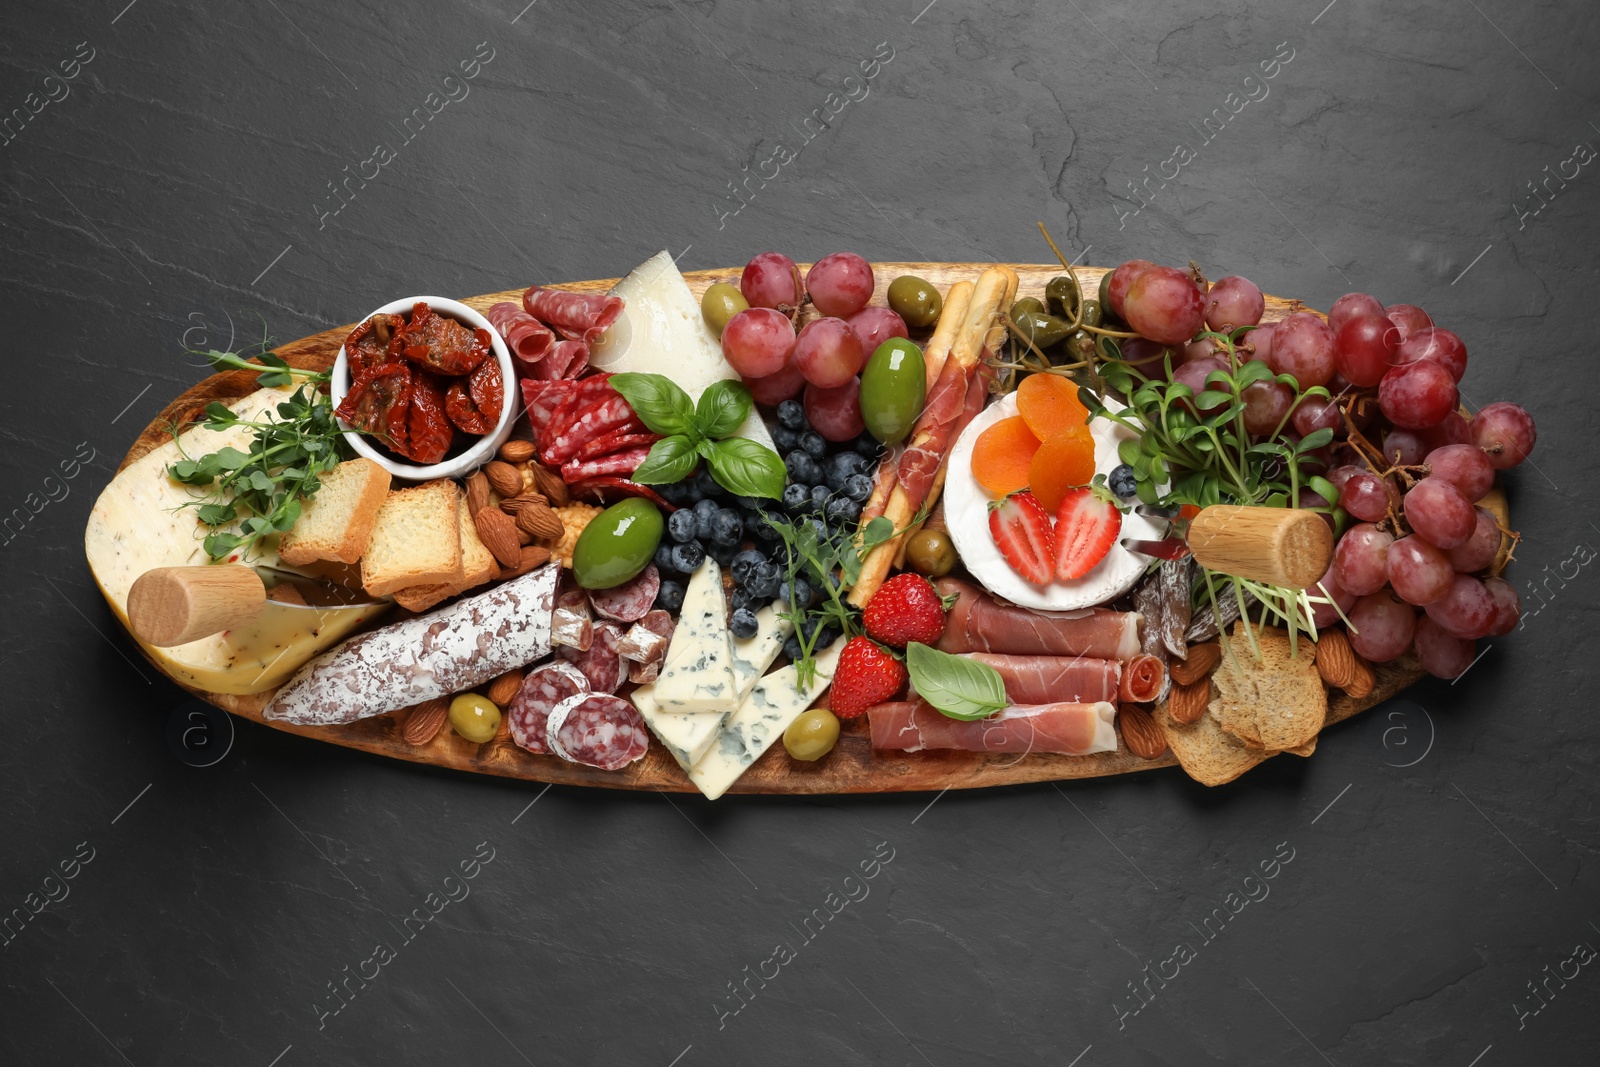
[[616, 441], [1052, 679], [614, 463], [582, 316], [451, 650], [571, 625], [529, 339], [979, 623], [543, 399], [1071, 728], [597, 730], [601, 663], [646, 670], [529, 711], [603, 416], [579, 395], [1142, 680], [630, 601], [625, 486]]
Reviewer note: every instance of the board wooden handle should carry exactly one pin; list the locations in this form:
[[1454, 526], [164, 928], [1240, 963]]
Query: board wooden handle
[[175, 605], [1281, 546]]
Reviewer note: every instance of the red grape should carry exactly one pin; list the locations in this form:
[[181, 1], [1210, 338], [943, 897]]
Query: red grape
[[1467, 610], [1302, 345], [1442, 654], [1234, 302], [1315, 414], [1368, 497], [1265, 405], [1418, 395], [1381, 627], [774, 389], [1453, 429], [840, 285], [1507, 606], [836, 413], [1193, 374], [1419, 572], [1480, 549], [757, 341], [1261, 340], [1439, 513], [1505, 431], [1350, 306], [1408, 317], [1200, 348], [1436, 344], [1364, 347], [770, 279], [1464, 466], [1404, 448], [1165, 305], [875, 325], [1121, 278], [1340, 476], [1329, 588], [1360, 559], [1147, 357], [828, 352]]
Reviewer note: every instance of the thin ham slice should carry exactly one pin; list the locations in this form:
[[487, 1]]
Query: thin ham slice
[[1070, 728], [579, 316], [1052, 679], [1142, 680], [529, 339], [935, 429], [979, 623]]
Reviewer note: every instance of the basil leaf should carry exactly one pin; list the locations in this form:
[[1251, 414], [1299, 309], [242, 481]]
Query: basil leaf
[[746, 468], [658, 401], [670, 460], [723, 407], [960, 688]]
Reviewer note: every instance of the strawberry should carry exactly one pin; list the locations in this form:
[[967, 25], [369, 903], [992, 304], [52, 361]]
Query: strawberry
[[866, 675], [1087, 525], [906, 608], [1021, 530]]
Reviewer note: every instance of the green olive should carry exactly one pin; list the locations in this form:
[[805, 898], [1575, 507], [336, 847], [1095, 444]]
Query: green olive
[[474, 717], [1105, 289], [1042, 329], [915, 300], [812, 735], [930, 552], [721, 303], [617, 544], [893, 387], [1062, 296]]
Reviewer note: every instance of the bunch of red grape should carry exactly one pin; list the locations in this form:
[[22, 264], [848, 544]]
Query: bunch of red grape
[[826, 356]]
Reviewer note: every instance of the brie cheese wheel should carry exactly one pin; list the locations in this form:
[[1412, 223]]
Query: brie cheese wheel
[[967, 514]]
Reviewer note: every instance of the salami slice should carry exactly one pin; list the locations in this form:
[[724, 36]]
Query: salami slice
[[578, 395], [580, 315], [543, 399], [610, 465], [541, 691], [603, 416], [597, 730], [601, 664], [529, 339], [630, 601], [617, 441]]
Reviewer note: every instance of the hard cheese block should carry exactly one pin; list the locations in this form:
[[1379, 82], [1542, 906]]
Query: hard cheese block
[[775, 702], [661, 331], [687, 735], [698, 675], [140, 522]]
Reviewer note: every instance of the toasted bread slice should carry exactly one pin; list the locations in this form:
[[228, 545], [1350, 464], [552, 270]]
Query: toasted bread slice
[[416, 540], [1209, 754], [1274, 702], [477, 564], [337, 523]]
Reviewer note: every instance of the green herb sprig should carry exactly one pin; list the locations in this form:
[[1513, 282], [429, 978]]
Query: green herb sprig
[[960, 688], [700, 431]]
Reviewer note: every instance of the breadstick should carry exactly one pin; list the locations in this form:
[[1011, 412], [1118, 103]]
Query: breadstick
[[944, 334]]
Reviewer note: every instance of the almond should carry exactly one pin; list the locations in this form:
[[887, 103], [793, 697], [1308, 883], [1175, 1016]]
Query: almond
[[499, 535], [550, 484], [539, 521], [1203, 659], [516, 451], [477, 492], [505, 478], [1186, 703], [1140, 732], [532, 556], [512, 505], [1336, 660], [503, 688], [1362, 680], [424, 720]]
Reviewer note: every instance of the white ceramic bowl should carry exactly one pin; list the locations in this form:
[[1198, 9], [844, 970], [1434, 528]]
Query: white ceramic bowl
[[485, 448]]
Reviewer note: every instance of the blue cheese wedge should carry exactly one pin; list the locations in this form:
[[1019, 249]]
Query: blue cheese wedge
[[775, 702], [698, 674]]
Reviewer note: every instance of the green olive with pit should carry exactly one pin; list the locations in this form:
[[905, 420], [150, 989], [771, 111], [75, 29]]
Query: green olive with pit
[[893, 387], [1062, 296], [475, 717], [812, 735], [915, 300], [617, 544], [721, 303], [931, 553]]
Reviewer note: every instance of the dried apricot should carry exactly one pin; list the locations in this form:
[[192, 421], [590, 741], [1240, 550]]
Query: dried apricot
[[1049, 404], [1001, 455], [1063, 462]]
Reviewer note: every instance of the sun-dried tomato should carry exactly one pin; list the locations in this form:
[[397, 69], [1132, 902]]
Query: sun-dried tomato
[[462, 411], [378, 403], [430, 432], [488, 388]]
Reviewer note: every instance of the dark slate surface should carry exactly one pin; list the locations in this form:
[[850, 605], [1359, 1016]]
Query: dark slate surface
[[182, 176]]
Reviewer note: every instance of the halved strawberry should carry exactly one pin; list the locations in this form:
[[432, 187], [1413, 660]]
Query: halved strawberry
[[1087, 525], [1021, 530]]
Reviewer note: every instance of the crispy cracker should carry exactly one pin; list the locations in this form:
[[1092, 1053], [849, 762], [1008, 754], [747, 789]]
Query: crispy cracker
[[1276, 702]]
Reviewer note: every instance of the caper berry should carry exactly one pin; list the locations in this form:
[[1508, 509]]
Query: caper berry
[[1042, 329], [931, 553], [1105, 289], [1062, 296], [721, 303], [915, 300], [812, 735], [1093, 313]]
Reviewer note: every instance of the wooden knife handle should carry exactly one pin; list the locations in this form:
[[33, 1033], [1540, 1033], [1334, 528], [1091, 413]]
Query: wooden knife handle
[[1281, 546], [175, 605]]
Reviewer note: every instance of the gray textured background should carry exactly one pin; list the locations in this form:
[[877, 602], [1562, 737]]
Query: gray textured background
[[1440, 844]]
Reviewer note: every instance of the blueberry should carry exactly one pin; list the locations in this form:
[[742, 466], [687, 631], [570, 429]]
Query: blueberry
[[707, 486], [675, 493], [704, 512], [741, 598], [826, 637], [663, 557], [748, 503], [764, 579], [814, 444], [821, 528], [796, 497], [745, 564], [802, 468], [687, 557], [858, 487], [785, 439], [726, 529], [765, 531], [868, 446], [837, 468], [724, 554], [842, 509], [744, 623], [791, 647], [1123, 481], [819, 497], [792, 415], [670, 596], [801, 597], [681, 525]]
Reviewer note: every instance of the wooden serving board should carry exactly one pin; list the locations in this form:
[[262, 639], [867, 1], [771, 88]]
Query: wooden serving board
[[852, 767]]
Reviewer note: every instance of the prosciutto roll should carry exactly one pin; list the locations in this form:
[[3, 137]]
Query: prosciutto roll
[[979, 623], [1052, 679], [1069, 728], [1143, 678], [579, 316], [529, 339]]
